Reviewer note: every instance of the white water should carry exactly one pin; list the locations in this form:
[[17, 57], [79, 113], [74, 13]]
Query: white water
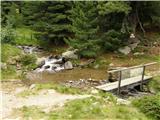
[[51, 66]]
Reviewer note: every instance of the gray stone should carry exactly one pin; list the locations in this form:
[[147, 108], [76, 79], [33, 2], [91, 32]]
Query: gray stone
[[40, 62], [70, 54], [68, 65], [125, 50], [134, 45]]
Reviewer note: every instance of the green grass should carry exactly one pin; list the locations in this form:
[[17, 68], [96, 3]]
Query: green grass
[[95, 108], [89, 108], [9, 73], [155, 84], [59, 88], [27, 93], [8, 51], [13, 54], [7, 54], [149, 105], [33, 111], [25, 36]]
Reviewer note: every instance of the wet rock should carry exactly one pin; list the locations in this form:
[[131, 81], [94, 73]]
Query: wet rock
[[46, 67], [68, 65], [40, 62], [70, 54]]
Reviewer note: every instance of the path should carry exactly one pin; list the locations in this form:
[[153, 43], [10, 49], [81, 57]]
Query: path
[[46, 99]]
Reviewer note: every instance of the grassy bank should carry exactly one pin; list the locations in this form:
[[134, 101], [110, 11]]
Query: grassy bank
[[88, 108]]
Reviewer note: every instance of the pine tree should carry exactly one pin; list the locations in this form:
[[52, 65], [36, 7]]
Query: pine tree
[[11, 13], [85, 28], [50, 19]]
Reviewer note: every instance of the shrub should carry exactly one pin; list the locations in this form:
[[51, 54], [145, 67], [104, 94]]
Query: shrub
[[28, 61], [149, 105], [9, 73], [112, 40], [9, 51], [8, 34], [155, 84], [88, 54]]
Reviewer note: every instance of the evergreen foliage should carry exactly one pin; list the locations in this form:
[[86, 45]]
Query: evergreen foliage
[[11, 13], [88, 26], [7, 34], [85, 27], [52, 22]]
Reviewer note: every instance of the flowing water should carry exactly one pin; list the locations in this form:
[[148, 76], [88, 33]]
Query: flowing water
[[68, 75]]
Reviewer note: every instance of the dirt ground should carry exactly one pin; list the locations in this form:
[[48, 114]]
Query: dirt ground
[[45, 99]]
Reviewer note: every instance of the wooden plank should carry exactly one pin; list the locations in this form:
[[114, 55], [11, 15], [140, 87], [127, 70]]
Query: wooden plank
[[125, 82]]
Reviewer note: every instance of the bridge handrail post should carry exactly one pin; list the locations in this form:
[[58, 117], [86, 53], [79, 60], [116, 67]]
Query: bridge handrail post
[[143, 73], [119, 82]]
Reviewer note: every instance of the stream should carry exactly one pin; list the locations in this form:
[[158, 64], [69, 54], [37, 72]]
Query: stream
[[58, 69]]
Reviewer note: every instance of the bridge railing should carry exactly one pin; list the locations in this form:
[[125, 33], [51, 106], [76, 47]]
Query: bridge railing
[[129, 68]]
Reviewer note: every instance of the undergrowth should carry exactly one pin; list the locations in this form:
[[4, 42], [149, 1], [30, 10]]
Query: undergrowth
[[149, 105]]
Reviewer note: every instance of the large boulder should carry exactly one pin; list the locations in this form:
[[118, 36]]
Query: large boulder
[[68, 65], [125, 50], [134, 45], [70, 54]]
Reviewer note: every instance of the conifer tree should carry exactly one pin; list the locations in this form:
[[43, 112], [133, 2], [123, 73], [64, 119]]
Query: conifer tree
[[85, 28], [51, 20]]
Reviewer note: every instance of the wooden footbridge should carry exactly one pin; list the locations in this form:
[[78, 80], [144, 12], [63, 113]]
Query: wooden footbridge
[[131, 81]]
